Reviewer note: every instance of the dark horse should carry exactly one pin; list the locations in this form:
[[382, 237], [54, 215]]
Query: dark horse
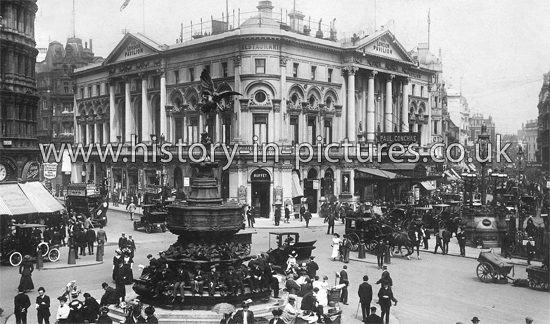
[[398, 239]]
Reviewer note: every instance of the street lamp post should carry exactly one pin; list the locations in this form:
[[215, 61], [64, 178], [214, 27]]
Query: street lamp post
[[483, 142]]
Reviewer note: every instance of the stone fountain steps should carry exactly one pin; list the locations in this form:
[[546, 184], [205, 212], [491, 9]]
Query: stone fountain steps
[[198, 316]]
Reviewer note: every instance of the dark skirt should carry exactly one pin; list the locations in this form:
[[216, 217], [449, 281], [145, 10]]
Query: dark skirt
[[128, 274], [26, 283]]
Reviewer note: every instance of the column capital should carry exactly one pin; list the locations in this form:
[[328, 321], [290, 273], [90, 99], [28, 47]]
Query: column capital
[[390, 77], [372, 74], [350, 69], [283, 60], [143, 75], [237, 60]]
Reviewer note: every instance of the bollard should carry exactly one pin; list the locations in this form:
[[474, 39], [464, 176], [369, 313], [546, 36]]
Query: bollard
[[387, 256], [99, 252], [72, 256], [39, 260], [362, 249]]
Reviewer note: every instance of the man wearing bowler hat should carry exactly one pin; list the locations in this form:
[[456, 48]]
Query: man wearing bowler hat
[[475, 320], [365, 297], [245, 315]]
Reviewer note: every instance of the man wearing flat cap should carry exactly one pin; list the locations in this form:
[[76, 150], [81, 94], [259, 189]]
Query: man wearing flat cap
[[245, 315], [365, 296]]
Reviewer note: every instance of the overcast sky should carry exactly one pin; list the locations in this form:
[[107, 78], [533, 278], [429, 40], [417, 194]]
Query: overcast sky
[[499, 48]]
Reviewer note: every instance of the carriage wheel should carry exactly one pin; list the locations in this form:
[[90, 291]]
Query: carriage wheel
[[372, 245], [485, 272], [44, 248], [148, 229], [532, 284], [53, 256], [354, 238], [15, 259]]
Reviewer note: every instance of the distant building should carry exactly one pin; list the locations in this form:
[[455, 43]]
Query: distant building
[[543, 140], [19, 153], [459, 113], [475, 128], [528, 136]]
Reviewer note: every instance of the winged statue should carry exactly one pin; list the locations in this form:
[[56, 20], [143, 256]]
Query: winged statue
[[210, 97]]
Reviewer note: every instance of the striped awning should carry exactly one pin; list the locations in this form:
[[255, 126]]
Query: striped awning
[[15, 200], [297, 190], [42, 200]]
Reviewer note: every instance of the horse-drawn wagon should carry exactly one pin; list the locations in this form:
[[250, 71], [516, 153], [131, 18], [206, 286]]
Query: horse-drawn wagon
[[538, 277], [366, 230], [492, 268]]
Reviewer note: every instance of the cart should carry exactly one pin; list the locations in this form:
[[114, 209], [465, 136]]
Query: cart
[[492, 268], [538, 277]]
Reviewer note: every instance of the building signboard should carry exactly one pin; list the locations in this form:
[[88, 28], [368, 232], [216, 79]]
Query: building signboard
[[260, 46], [401, 138], [31, 170], [50, 170]]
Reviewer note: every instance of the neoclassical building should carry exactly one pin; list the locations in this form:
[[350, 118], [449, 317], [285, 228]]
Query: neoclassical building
[[296, 88], [19, 153]]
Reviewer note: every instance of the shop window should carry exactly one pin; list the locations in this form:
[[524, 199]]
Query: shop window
[[260, 66]]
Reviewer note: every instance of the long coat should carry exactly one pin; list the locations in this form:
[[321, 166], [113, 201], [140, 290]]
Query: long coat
[[43, 306], [385, 298], [365, 293], [25, 269]]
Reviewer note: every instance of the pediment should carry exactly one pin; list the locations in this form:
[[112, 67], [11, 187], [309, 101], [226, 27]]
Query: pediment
[[384, 44], [131, 47]]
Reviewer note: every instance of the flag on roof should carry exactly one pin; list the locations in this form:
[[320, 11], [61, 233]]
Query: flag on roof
[[126, 2]]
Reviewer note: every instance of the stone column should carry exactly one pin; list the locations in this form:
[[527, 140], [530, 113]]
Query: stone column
[[89, 131], [105, 131], [283, 123], [370, 108], [344, 119], [129, 118], [364, 84], [113, 116], [237, 124], [96, 131], [146, 115], [405, 112], [352, 125], [388, 108], [163, 118]]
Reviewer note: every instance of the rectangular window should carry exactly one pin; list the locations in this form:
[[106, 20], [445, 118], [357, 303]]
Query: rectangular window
[[260, 128], [226, 130], [313, 72], [97, 92], [179, 130], [294, 128], [225, 72], [422, 91], [435, 127], [295, 70], [329, 75], [155, 82], [311, 130], [44, 105], [138, 84], [89, 91], [176, 76], [121, 87], [260, 66], [191, 74], [193, 131], [328, 131], [67, 90]]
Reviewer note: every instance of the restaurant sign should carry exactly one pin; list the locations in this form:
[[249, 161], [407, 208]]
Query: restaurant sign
[[260, 46], [400, 138]]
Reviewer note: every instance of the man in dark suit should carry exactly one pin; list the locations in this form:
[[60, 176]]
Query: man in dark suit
[[373, 318], [122, 241], [22, 304], [461, 237], [312, 267], [385, 277], [380, 250], [446, 239], [309, 303], [43, 306], [344, 280], [244, 316], [365, 297]]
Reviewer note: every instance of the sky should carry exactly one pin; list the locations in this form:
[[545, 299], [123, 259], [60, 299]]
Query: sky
[[494, 51]]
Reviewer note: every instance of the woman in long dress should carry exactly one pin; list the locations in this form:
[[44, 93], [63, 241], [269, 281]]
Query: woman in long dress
[[335, 246], [127, 263], [25, 269]]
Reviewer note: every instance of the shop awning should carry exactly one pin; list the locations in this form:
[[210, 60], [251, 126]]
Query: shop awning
[[428, 185], [14, 201], [297, 190], [42, 200], [451, 176], [377, 173], [458, 177]]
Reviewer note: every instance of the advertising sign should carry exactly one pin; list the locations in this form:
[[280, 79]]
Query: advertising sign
[[401, 138], [50, 170]]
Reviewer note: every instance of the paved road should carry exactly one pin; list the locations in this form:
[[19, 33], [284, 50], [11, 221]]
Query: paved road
[[435, 289]]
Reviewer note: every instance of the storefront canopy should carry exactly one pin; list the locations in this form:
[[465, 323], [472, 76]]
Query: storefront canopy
[[428, 185], [14, 201], [377, 174], [27, 198], [41, 198]]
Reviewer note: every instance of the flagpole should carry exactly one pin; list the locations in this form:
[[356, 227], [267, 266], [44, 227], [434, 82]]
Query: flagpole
[[143, 10], [74, 22], [429, 29]]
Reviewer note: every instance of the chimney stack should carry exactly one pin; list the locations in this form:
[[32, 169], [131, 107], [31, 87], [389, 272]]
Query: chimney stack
[[91, 45], [265, 9]]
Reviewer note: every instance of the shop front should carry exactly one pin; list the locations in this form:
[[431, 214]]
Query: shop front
[[260, 181]]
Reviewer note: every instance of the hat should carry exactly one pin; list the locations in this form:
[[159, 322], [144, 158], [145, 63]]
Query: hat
[[150, 310], [104, 285], [231, 268], [74, 294], [475, 319], [315, 289], [293, 254], [365, 278], [42, 289], [277, 312], [528, 320], [385, 267], [86, 295], [312, 257], [62, 298], [530, 237], [122, 233], [26, 257], [291, 297], [149, 256], [104, 309], [213, 266]]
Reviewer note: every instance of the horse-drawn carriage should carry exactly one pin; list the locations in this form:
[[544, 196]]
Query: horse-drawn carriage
[[286, 243], [492, 268], [365, 230], [538, 277]]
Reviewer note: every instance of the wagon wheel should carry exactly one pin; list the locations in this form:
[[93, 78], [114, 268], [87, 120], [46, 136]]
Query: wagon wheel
[[539, 282], [44, 249], [53, 256], [354, 238], [485, 272], [148, 229], [532, 283], [372, 245], [15, 259]]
